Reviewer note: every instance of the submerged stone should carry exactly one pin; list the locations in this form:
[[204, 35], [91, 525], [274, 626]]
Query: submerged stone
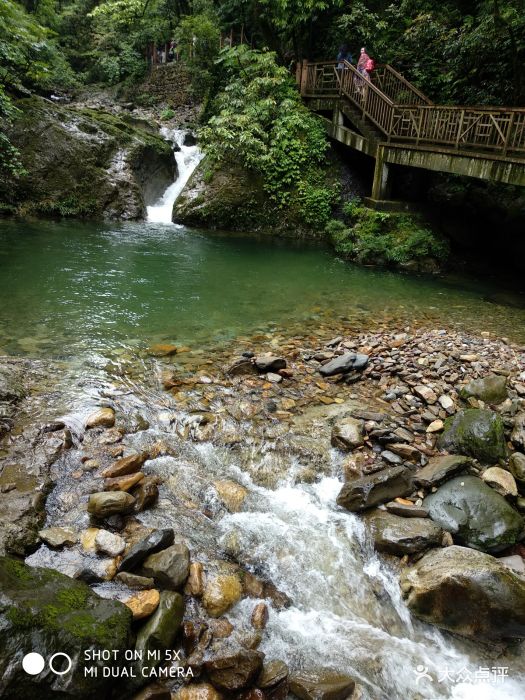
[[466, 592], [475, 514], [479, 433]]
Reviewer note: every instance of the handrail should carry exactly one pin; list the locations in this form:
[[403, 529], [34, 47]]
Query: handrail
[[485, 128], [395, 79]]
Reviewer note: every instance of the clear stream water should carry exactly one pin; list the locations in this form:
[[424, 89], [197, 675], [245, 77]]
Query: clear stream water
[[80, 292]]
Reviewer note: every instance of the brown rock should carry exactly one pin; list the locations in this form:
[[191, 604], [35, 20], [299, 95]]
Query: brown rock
[[144, 603], [231, 494], [260, 616], [221, 628], [155, 691], [102, 418], [195, 583], [162, 350], [107, 503], [146, 494], [221, 593], [234, 671], [126, 465], [135, 581], [198, 691], [252, 586], [322, 685], [123, 483], [273, 673]]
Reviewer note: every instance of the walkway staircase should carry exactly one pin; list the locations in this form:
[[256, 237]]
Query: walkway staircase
[[389, 119]]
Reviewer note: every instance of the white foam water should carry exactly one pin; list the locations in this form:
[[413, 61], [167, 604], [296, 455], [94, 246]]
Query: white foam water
[[187, 159]]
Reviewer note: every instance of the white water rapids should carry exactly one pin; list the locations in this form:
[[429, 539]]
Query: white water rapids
[[187, 159]]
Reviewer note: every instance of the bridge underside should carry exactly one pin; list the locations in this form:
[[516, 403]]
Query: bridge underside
[[495, 168]]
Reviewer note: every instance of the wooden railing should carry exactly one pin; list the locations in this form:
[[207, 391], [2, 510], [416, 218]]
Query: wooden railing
[[397, 87], [499, 130]]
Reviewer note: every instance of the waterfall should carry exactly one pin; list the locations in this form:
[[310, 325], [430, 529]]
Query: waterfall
[[187, 158]]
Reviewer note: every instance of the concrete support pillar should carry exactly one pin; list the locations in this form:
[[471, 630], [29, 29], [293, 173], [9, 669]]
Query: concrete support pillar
[[338, 118], [380, 188]]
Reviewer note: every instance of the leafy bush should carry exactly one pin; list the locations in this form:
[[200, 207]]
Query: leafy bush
[[372, 237], [261, 124], [167, 114], [10, 163]]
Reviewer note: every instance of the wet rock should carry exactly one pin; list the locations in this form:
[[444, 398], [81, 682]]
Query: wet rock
[[241, 368], [272, 674], [198, 691], [391, 457], [518, 432], [406, 510], [321, 685], [517, 466], [109, 543], [170, 567], [153, 692], [269, 363], [103, 418], [260, 616], [466, 592], [344, 364], [475, 514], [405, 451], [500, 480], [87, 538], [58, 536], [476, 432], [373, 489], [347, 434], [221, 593], [155, 542], [514, 562], [48, 612], [123, 483], [162, 350], [440, 469], [160, 630], [146, 494], [233, 671], [274, 378], [143, 604], [138, 583], [107, 503], [195, 583], [491, 389], [231, 494], [125, 465], [397, 535], [221, 628]]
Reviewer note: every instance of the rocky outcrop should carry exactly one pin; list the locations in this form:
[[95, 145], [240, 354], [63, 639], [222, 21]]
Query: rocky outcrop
[[466, 592], [45, 611], [85, 163], [475, 514]]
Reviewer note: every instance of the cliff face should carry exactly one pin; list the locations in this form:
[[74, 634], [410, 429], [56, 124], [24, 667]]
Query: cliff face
[[85, 163]]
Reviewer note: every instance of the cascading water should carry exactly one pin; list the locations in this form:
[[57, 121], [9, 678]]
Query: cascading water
[[187, 158]]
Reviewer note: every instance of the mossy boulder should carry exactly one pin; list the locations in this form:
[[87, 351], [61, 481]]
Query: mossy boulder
[[43, 611], [466, 592], [479, 433], [477, 515], [491, 389], [85, 163]]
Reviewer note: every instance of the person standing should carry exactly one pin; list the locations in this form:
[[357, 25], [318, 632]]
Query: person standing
[[364, 64], [343, 55]]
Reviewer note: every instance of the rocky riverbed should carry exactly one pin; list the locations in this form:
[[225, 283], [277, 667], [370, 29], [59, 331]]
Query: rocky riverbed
[[167, 487]]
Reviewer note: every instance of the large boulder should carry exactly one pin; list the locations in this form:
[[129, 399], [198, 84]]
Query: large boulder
[[491, 389], [162, 627], [86, 163], [42, 610], [441, 468], [476, 432], [373, 489], [394, 534], [475, 514], [466, 592]]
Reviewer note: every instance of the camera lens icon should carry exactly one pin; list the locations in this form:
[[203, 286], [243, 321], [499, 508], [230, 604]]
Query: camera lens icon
[[34, 663]]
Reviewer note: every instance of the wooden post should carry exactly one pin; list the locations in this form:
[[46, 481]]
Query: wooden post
[[380, 187], [509, 133], [304, 76]]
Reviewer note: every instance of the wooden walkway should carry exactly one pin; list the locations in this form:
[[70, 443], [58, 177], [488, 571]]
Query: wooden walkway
[[391, 120]]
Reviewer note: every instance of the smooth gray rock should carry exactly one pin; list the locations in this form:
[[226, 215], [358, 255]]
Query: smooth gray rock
[[154, 542], [170, 567], [517, 466], [441, 468], [373, 489], [344, 363], [466, 592], [107, 503], [406, 511], [269, 363], [491, 389], [475, 514]]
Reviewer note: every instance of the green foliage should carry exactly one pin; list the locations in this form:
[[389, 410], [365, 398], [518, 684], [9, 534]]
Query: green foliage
[[261, 124], [10, 164], [378, 238], [198, 38], [167, 114]]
